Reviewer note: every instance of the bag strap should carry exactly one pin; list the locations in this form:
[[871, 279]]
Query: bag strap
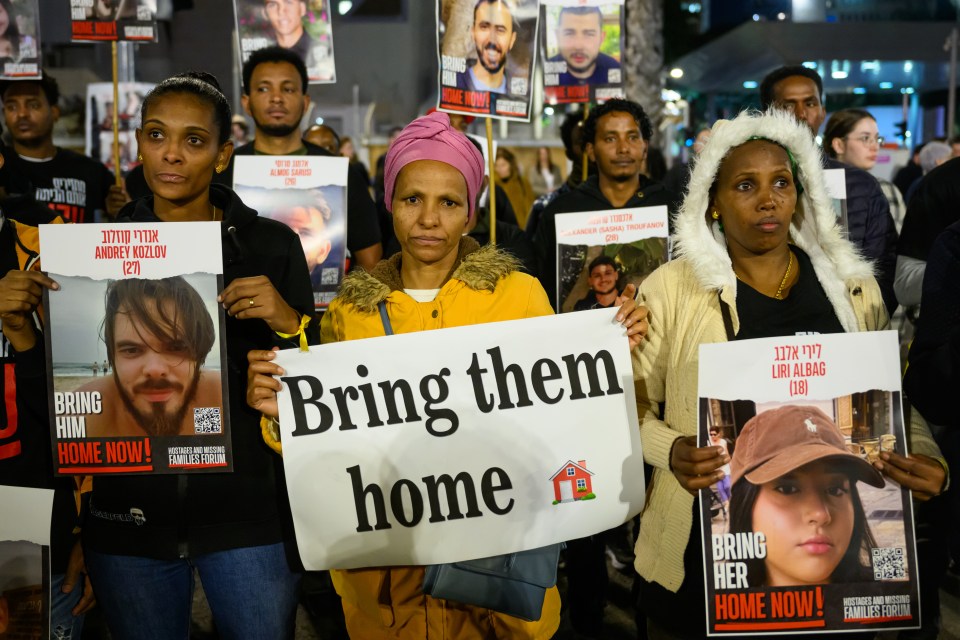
[[384, 318]]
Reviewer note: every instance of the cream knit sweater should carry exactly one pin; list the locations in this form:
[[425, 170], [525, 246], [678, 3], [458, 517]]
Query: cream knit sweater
[[684, 296]]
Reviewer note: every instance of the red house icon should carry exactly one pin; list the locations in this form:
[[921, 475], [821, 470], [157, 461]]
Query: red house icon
[[572, 482]]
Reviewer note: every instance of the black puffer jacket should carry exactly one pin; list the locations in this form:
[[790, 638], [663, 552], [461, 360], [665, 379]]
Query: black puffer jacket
[[187, 515], [870, 225]]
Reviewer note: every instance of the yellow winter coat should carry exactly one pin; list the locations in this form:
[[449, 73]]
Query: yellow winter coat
[[485, 286]]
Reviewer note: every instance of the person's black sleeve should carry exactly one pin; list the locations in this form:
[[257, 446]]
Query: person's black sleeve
[[363, 229], [105, 180], [31, 375], [512, 239], [545, 246], [297, 291], [505, 212], [934, 360], [934, 206], [880, 243]]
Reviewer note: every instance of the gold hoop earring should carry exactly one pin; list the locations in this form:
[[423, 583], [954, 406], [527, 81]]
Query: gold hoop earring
[[219, 169], [139, 157], [715, 215]]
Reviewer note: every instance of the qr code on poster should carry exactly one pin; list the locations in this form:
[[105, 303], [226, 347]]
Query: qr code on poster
[[889, 564], [206, 420]]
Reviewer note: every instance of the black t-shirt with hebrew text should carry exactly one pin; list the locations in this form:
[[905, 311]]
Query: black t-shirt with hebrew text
[[71, 184]]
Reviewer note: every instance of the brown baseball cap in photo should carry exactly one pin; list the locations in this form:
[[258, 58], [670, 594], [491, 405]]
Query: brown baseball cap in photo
[[781, 440]]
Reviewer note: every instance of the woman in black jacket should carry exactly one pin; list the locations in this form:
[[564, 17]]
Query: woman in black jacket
[[144, 535]]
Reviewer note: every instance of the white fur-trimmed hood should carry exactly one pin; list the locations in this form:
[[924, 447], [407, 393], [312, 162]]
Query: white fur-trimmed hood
[[814, 228]]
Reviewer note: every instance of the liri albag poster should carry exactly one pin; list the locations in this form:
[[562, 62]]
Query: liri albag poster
[[20, 53], [803, 534]]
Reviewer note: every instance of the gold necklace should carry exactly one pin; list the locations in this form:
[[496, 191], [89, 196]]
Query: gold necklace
[[786, 274], [783, 281], [213, 214]]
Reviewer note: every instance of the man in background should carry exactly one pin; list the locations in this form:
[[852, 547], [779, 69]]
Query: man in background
[[73, 185], [324, 137], [871, 228], [275, 97]]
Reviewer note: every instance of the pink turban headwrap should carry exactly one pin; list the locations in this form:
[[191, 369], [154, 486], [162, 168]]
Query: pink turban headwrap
[[432, 138]]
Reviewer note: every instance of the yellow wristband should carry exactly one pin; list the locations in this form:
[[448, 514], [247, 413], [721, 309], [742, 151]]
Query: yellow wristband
[[304, 321], [270, 432]]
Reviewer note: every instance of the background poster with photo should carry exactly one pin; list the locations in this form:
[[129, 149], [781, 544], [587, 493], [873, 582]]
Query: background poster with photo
[[20, 40], [836, 180], [479, 44], [159, 404], [300, 25], [99, 20], [582, 45], [309, 195], [25, 563], [846, 563], [99, 123], [635, 239]]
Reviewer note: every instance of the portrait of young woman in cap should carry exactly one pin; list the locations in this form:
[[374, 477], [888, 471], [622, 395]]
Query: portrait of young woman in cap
[[795, 481]]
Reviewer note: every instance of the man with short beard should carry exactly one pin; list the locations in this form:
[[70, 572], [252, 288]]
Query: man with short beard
[[615, 137], [580, 35], [275, 97], [494, 34], [158, 334]]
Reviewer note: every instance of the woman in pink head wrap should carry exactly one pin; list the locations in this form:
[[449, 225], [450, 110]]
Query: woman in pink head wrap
[[440, 278]]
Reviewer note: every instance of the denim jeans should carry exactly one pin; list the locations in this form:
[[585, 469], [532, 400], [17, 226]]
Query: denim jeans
[[63, 624], [252, 593]]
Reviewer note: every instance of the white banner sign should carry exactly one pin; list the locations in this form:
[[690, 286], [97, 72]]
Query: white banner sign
[[460, 443]]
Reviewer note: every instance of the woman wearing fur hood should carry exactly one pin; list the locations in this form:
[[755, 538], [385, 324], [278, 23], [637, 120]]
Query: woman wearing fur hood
[[759, 255]]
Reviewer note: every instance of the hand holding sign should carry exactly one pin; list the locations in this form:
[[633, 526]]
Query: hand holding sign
[[921, 474], [696, 467], [632, 316], [20, 293], [256, 297], [262, 386]]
